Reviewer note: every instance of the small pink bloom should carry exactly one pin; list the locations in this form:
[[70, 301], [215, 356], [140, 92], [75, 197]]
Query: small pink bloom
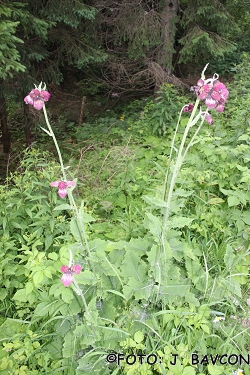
[[37, 97], [213, 92], [64, 269], [62, 187], [68, 273], [76, 268], [208, 118], [188, 107]]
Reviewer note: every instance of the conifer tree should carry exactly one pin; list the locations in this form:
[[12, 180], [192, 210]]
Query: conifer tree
[[147, 39], [9, 63], [55, 35], [206, 31]]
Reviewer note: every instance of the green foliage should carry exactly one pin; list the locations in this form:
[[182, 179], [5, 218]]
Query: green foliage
[[162, 115], [206, 32], [9, 55], [150, 288]]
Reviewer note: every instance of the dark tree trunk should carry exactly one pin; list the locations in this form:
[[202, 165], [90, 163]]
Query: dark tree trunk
[[4, 125], [164, 58], [169, 18]]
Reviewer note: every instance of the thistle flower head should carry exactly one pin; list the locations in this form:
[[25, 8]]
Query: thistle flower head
[[62, 187], [37, 97], [68, 274], [212, 91]]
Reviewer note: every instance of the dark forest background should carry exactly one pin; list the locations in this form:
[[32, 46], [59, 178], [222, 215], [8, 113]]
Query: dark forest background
[[118, 50]]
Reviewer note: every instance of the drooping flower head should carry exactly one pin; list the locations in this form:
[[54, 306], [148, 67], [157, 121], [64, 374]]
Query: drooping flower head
[[208, 117], [37, 97], [212, 91], [62, 187], [68, 274], [188, 107]]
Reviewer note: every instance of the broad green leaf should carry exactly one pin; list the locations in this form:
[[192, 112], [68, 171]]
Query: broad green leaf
[[188, 370], [138, 245], [179, 222], [245, 178], [205, 328], [154, 201], [246, 217], [69, 345], [53, 256], [86, 277], [20, 295], [133, 266], [215, 200], [92, 315], [196, 273], [233, 201], [242, 276], [182, 192], [10, 327], [116, 292], [137, 289], [48, 241], [243, 137], [180, 249], [191, 299], [138, 336], [215, 370], [67, 294], [17, 225], [243, 197], [62, 207], [29, 287], [75, 230], [87, 218], [154, 225], [48, 307], [38, 278]]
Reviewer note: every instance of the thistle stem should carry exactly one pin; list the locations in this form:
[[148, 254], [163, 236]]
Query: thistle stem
[[80, 225]]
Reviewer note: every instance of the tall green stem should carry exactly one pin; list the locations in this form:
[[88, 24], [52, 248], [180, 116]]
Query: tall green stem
[[55, 142], [177, 166], [80, 225]]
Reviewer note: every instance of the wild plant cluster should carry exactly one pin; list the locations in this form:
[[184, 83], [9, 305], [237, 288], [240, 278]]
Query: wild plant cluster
[[134, 258]]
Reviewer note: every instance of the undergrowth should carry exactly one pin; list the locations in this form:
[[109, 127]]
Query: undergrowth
[[182, 305]]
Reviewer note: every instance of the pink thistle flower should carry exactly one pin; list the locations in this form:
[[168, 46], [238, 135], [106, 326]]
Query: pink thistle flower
[[37, 97], [68, 274], [188, 107], [213, 92], [62, 187]]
